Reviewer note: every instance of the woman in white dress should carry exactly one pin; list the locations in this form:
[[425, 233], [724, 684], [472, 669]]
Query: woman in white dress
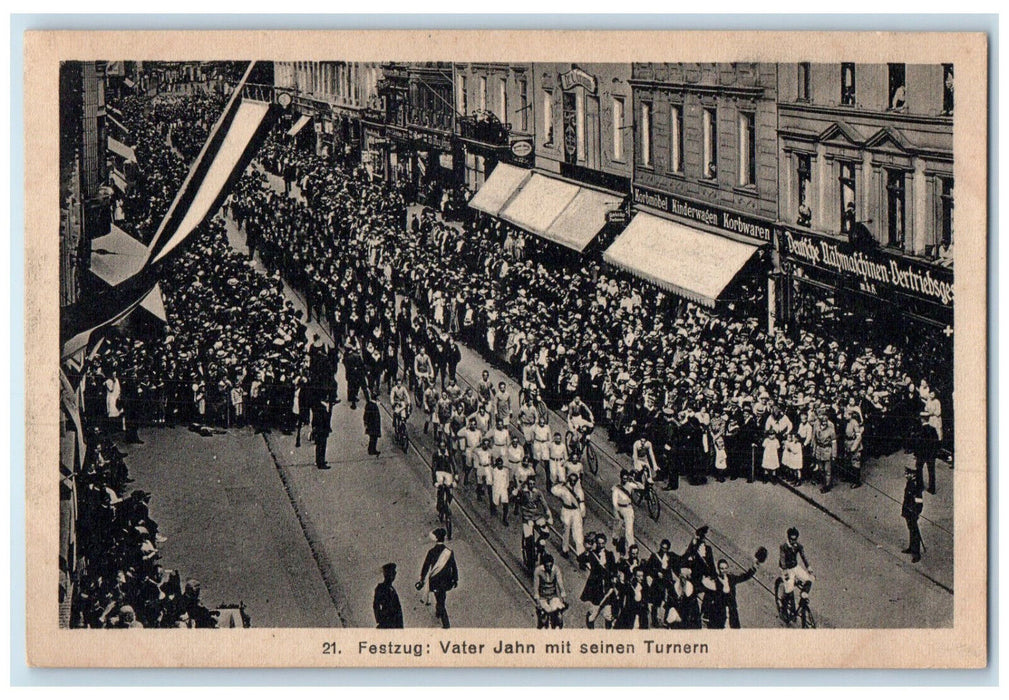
[[769, 464]]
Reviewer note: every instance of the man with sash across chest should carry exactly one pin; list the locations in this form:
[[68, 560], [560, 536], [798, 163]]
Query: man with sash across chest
[[572, 513]]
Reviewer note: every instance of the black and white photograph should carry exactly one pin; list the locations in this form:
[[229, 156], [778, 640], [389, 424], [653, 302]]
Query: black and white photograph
[[544, 351]]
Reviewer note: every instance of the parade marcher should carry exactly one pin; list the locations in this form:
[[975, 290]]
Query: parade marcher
[[499, 487], [549, 593], [483, 462], [572, 499], [559, 459], [684, 611], [925, 445], [321, 418], [599, 562], [825, 451], [720, 605], [372, 423], [623, 505], [853, 432], [911, 510], [439, 575], [386, 605], [541, 446]]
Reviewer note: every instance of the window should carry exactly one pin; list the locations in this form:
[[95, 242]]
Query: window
[[710, 141], [947, 88], [747, 149], [618, 128], [846, 179], [676, 139], [804, 177], [548, 117], [523, 106], [803, 83], [503, 99], [895, 208], [646, 133], [898, 88], [580, 124], [946, 211], [848, 83], [482, 104], [462, 95]]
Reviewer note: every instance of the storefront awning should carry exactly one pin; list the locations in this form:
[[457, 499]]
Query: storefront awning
[[691, 263], [129, 83], [539, 203], [582, 219], [503, 182], [298, 125], [122, 150], [119, 181], [117, 256]]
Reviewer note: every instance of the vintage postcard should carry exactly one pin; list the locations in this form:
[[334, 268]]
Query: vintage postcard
[[506, 349]]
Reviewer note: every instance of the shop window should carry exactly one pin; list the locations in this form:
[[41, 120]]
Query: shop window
[[646, 134], [848, 83], [523, 105], [895, 208], [803, 83], [548, 117], [747, 149], [945, 212], [804, 173], [710, 140], [676, 138], [462, 96], [947, 88], [898, 86], [618, 128], [846, 180]]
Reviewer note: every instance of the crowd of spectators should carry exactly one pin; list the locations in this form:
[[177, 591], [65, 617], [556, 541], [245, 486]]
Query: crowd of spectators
[[711, 386], [120, 583]]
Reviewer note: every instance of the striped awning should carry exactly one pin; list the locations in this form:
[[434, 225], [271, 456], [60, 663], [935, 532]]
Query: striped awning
[[694, 264]]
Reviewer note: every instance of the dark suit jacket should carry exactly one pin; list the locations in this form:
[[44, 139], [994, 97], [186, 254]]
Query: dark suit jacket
[[448, 577], [388, 611]]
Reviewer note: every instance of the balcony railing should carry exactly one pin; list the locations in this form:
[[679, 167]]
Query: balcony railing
[[259, 93], [485, 128], [430, 118]]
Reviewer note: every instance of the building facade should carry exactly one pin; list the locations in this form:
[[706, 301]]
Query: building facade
[[584, 125], [495, 117], [866, 199]]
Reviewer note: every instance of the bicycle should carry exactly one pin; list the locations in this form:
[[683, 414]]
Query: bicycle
[[400, 431], [648, 496], [584, 450], [445, 508], [538, 402], [550, 620], [788, 611]]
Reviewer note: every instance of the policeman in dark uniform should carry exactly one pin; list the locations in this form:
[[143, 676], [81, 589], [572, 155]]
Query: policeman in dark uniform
[[321, 416], [910, 510]]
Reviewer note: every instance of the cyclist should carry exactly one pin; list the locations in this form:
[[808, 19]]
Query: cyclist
[[533, 507], [644, 465], [794, 566], [549, 594], [400, 398], [444, 482], [423, 370], [581, 422]]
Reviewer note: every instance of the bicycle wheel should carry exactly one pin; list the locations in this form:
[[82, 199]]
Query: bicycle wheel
[[403, 435], [652, 499], [638, 496], [806, 616], [569, 441], [591, 458], [541, 408], [779, 603], [448, 522]]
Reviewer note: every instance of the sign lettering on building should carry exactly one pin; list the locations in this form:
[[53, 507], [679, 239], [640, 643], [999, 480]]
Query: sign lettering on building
[[704, 213], [576, 77], [875, 270]]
